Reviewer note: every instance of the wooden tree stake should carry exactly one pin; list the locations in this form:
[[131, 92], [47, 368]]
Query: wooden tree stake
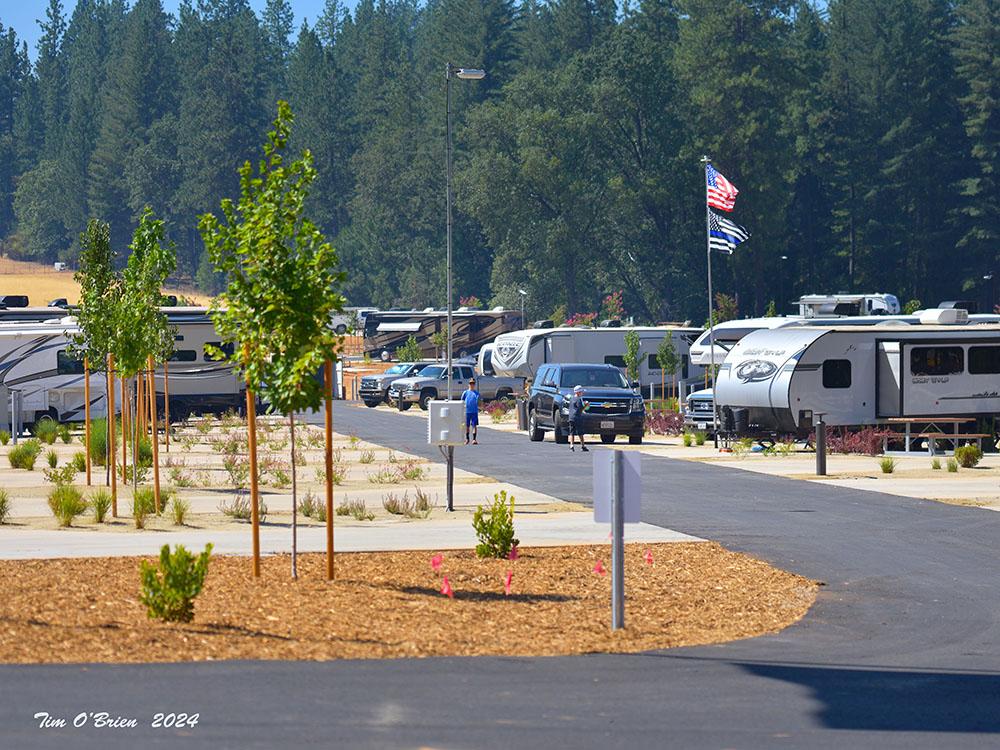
[[111, 435], [328, 398], [252, 446], [86, 415], [156, 438]]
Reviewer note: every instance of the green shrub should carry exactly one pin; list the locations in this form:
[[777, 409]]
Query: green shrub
[[398, 506], [411, 471], [366, 457], [422, 503], [52, 458], [98, 441], [61, 477], [64, 433], [355, 508], [4, 437], [79, 462], [309, 505], [100, 503], [936, 464], [952, 465], [385, 475], [968, 455], [238, 507], [145, 452], [23, 455], [887, 465], [4, 505], [47, 430], [66, 503], [319, 513], [699, 438], [688, 439], [179, 508], [168, 591], [495, 527]]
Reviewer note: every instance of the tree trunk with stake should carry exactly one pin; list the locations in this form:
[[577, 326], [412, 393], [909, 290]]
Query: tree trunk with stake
[[156, 438], [86, 415], [166, 407], [126, 427], [111, 449], [295, 510]]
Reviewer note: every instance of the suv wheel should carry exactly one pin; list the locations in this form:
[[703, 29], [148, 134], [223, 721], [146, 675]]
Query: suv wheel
[[562, 437], [535, 433], [605, 438], [372, 404], [635, 439], [425, 397]]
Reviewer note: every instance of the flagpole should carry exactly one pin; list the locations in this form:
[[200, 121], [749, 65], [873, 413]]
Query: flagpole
[[711, 318]]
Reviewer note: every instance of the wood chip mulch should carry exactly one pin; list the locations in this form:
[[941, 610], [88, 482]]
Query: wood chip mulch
[[389, 604]]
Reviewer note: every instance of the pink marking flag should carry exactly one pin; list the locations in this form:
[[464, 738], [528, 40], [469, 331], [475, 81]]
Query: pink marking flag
[[446, 588], [436, 562], [513, 554], [506, 583], [648, 557], [599, 568]]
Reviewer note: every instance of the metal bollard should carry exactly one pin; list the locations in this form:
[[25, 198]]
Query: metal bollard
[[820, 443]]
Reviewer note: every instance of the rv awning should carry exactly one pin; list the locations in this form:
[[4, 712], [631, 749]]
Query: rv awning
[[406, 327]]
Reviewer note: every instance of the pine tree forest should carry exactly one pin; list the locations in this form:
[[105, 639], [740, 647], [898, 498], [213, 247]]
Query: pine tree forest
[[863, 135]]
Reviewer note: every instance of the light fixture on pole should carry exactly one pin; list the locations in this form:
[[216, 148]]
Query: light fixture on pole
[[781, 303], [465, 74], [523, 294]]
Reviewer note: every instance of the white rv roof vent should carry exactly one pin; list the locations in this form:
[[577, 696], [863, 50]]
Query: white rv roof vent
[[944, 317]]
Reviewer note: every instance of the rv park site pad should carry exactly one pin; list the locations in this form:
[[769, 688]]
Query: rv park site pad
[[389, 604]]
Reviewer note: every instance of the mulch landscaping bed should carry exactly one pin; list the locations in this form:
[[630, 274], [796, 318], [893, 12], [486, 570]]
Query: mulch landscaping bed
[[389, 604]]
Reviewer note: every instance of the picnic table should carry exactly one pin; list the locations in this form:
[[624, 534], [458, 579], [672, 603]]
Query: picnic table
[[931, 429]]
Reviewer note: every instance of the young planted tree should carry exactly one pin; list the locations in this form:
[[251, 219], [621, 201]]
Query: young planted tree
[[142, 330], [282, 289], [667, 359], [633, 360], [99, 293]]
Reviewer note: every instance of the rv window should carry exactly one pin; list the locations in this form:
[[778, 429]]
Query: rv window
[[66, 365], [615, 359], [487, 362], [837, 373], [227, 350], [184, 355], [937, 360], [984, 360]]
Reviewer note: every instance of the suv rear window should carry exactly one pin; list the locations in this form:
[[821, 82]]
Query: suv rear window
[[592, 377]]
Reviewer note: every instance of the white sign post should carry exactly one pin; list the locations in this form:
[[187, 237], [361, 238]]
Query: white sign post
[[618, 499]]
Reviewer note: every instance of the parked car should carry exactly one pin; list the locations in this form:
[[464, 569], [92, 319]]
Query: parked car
[[375, 388], [613, 407], [432, 384], [698, 411]]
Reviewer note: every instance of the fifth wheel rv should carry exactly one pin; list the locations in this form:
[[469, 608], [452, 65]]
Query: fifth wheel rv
[[862, 375]]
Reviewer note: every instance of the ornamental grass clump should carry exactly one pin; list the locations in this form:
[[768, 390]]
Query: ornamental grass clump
[[100, 503], [169, 590], [66, 503], [23, 456], [968, 455], [495, 527], [46, 430], [4, 506], [51, 458], [99, 441], [887, 465], [179, 508], [79, 462], [4, 437], [952, 465], [936, 464]]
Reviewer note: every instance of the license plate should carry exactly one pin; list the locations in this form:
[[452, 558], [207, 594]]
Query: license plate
[[701, 425], [607, 425]]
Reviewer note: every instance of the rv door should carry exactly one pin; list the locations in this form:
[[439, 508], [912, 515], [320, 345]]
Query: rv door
[[888, 398], [559, 348]]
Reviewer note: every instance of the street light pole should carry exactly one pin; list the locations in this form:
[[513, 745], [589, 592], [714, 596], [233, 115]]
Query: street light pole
[[465, 74], [523, 294]]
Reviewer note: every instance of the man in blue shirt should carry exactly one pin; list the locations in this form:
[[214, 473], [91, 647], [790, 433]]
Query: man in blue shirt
[[471, 399]]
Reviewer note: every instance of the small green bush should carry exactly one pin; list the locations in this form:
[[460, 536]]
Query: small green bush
[[952, 465], [309, 505], [98, 441], [968, 455], [367, 457], [47, 430], [688, 439], [887, 465], [66, 503], [355, 508], [179, 508], [699, 438], [238, 507], [411, 471], [61, 477], [52, 458], [64, 433], [4, 506], [422, 503], [4, 437], [398, 506], [23, 455], [936, 464], [168, 591], [319, 513], [495, 527], [100, 503], [79, 462]]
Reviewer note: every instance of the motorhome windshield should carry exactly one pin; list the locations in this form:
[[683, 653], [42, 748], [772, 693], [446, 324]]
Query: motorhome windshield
[[597, 377]]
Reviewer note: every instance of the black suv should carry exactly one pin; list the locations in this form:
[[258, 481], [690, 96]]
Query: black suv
[[612, 406]]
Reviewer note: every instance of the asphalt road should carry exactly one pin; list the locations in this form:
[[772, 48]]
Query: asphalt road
[[901, 649]]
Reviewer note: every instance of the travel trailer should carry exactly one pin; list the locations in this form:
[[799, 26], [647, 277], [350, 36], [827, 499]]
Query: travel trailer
[[387, 330], [848, 305], [35, 361], [521, 353], [862, 375]]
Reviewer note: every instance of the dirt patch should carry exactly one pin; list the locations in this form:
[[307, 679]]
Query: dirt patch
[[390, 605]]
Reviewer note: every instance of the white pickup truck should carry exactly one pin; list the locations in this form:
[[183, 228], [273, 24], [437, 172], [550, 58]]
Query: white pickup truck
[[432, 383]]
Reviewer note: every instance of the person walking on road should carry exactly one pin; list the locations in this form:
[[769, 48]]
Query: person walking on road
[[471, 399], [576, 407]]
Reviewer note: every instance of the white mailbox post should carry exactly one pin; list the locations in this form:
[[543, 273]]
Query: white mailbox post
[[446, 427], [618, 499]]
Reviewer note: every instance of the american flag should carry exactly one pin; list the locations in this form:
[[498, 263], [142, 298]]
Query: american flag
[[724, 235], [721, 192]]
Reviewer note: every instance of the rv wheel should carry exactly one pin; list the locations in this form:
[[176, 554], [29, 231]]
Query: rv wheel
[[341, 329]]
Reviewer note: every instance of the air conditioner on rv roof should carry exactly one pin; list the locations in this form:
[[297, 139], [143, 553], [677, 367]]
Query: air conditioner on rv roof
[[944, 317]]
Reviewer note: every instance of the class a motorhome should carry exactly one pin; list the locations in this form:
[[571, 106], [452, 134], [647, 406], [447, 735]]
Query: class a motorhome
[[863, 375], [521, 353], [388, 330], [848, 305], [35, 361]]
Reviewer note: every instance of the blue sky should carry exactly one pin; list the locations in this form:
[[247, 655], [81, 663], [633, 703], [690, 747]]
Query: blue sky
[[22, 15]]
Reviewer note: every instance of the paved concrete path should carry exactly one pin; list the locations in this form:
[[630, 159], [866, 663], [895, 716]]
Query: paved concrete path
[[902, 649], [551, 529]]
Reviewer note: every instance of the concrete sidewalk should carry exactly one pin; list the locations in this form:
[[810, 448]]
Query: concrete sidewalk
[[553, 529]]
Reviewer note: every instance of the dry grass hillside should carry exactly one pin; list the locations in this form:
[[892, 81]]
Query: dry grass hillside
[[43, 283]]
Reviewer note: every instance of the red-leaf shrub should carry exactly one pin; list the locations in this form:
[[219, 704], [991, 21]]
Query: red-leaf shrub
[[867, 441], [664, 422]]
